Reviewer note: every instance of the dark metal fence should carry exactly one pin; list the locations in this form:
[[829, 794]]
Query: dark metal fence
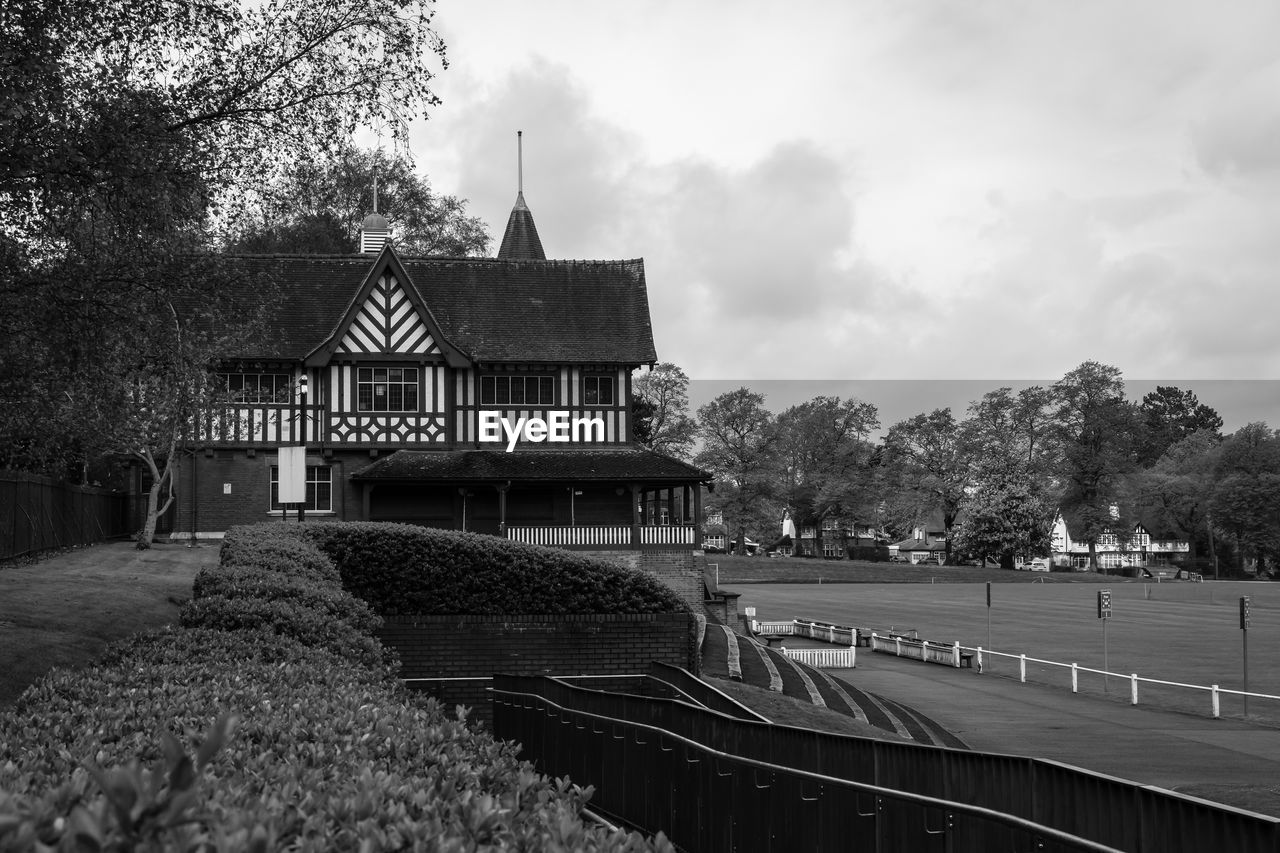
[[683, 684], [38, 513], [716, 783]]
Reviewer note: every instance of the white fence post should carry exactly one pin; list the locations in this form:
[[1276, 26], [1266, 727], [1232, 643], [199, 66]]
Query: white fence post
[[1075, 678], [955, 655], [979, 658], [897, 641], [1022, 668], [924, 650], [1214, 700], [1133, 688]]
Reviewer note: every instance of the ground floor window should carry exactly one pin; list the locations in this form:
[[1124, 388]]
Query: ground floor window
[[830, 549], [319, 488]]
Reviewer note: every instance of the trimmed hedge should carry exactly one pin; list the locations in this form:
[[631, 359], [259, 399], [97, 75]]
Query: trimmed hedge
[[268, 722], [401, 569], [255, 584]]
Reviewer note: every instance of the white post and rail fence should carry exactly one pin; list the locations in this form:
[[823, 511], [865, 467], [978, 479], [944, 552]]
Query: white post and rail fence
[[842, 636], [985, 660]]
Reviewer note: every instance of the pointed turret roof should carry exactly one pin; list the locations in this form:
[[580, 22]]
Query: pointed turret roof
[[520, 241]]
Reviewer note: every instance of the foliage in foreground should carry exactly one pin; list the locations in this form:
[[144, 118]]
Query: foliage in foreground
[[401, 568], [220, 736]]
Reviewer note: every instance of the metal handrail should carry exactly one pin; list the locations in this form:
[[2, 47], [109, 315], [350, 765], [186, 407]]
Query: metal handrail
[[1013, 821]]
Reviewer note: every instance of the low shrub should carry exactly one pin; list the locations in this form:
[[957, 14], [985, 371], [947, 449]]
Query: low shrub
[[221, 741], [311, 626], [279, 547], [403, 569], [257, 584], [267, 721]]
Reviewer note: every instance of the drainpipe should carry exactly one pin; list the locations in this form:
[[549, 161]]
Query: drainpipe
[[195, 505]]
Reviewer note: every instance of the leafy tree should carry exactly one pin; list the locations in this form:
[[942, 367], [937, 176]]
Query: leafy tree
[[317, 207], [1004, 428], [125, 129], [1097, 428], [1169, 415], [1177, 490], [127, 99], [1246, 499], [738, 446], [823, 456], [927, 464], [1009, 442], [1005, 517], [661, 410]]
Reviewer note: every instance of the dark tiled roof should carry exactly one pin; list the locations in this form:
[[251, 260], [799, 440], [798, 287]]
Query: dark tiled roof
[[520, 240], [470, 465], [492, 310], [920, 545]]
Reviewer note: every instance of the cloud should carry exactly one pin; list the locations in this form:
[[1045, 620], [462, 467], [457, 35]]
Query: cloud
[[1009, 225], [1239, 135]]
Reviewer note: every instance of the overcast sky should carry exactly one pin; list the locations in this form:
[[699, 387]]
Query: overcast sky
[[899, 189]]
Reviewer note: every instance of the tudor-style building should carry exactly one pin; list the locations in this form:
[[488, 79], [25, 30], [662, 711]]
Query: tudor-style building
[[399, 373]]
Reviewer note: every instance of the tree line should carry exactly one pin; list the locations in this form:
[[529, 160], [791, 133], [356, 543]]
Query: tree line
[[998, 476], [143, 146]]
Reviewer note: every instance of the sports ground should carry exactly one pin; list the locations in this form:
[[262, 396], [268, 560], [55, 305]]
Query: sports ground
[[1176, 632]]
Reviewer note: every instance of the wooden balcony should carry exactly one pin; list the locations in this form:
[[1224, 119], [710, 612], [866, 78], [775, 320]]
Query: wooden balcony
[[614, 537]]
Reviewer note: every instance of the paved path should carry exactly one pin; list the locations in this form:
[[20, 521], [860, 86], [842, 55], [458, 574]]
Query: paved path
[[996, 714]]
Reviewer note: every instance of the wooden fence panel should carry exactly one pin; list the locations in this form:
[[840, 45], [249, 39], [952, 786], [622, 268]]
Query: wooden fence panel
[[38, 513]]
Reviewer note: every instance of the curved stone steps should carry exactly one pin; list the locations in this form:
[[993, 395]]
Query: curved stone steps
[[726, 653]]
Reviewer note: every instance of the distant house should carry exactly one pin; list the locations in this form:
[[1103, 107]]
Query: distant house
[[838, 536], [1141, 549], [927, 543]]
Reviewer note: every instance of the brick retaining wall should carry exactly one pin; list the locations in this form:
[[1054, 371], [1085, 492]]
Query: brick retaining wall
[[467, 647], [681, 571]]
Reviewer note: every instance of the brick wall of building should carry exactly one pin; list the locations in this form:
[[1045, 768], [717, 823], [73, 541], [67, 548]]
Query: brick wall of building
[[232, 487], [681, 571], [459, 650]]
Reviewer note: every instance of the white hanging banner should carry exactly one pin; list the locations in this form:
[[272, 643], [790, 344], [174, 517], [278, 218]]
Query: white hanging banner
[[293, 475]]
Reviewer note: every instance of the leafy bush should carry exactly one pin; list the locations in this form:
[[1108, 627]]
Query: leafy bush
[[403, 569], [278, 547], [310, 744], [257, 584], [302, 751], [309, 625]]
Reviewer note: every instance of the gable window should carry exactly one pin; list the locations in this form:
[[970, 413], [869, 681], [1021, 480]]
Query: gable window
[[319, 488], [517, 391], [387, 389], [257, 387], [597, 390]]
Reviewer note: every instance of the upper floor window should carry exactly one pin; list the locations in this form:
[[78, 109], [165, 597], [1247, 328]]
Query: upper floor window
[[257, 387], [597, 391], [387, 389], [517, 391]]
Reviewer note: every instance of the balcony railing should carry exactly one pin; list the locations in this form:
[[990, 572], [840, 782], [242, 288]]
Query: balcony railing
[[608, 537]]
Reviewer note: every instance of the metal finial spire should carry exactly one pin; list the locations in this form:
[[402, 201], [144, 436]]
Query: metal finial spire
[[375, 187], [520, 162]]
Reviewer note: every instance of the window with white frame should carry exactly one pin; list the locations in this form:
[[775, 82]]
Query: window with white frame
[[387, 389], [597, 391], [319, 489], [830, 549], [257, 387]]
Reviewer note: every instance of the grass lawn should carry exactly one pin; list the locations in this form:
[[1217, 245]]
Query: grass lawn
[[63, 610], [734, 569], [1176, 631]]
